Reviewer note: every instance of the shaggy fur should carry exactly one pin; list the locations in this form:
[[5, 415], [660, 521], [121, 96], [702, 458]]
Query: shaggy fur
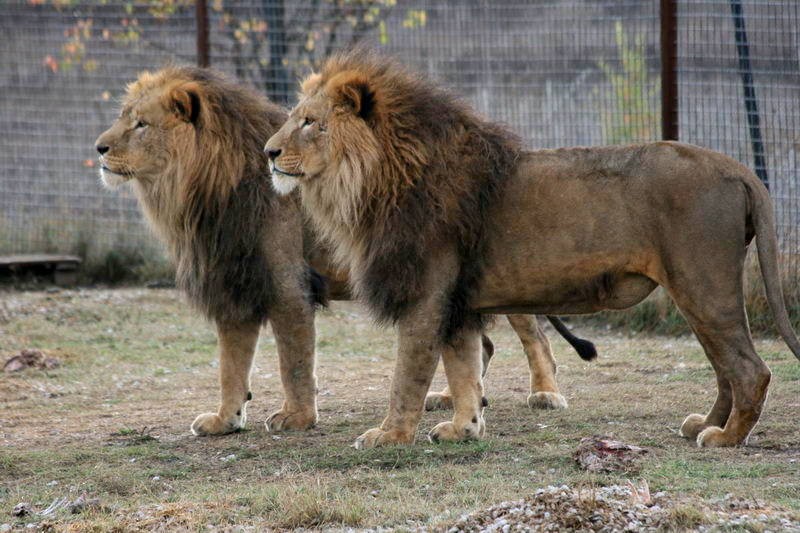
[[427, 177], [190, 142], [216, 228], [402, 179]]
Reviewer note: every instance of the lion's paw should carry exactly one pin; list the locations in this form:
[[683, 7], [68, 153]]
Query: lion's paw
[[436, 401], [289, 420], [450, 431], [209, 424], [692, 426], [715, 437], [379, 437], [547, 400]]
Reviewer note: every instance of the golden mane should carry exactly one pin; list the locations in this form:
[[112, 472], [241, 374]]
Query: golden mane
[[222, 140], [411, 166], [211, 200]]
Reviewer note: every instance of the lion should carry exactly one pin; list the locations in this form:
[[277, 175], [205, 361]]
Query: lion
[[190, 142], [442, 217]]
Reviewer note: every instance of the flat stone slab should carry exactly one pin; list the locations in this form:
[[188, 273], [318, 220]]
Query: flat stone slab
[[25, 260], [63, 267]]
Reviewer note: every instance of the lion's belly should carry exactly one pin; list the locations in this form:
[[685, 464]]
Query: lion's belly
[[568, 247]]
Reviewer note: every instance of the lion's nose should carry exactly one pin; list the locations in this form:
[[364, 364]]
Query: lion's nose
[[273, 154], [102, 148]]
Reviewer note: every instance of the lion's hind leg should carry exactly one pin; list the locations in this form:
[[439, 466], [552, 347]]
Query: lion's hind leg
[[544, 392], [463, 366], [237, 345], [742, 377], [436, 401]]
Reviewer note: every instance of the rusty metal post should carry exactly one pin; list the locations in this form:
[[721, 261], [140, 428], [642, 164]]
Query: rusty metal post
[[201, 17], [669, 70]]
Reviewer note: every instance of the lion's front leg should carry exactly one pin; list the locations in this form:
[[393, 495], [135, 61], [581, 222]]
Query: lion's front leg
[[293, 326], [237, 345], [463, 365], [417, 356]]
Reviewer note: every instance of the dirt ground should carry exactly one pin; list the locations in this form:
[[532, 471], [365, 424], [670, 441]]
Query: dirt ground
[[102, 441]]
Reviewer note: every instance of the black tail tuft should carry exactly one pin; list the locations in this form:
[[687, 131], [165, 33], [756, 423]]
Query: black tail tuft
[[586, 349], [318, 286]]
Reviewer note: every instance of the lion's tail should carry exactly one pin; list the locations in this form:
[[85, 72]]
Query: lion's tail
[[763, 218], [585, 349]]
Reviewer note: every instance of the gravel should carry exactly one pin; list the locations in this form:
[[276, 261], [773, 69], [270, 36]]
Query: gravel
[[618, 508]]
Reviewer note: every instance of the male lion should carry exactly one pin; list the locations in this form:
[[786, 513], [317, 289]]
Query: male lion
[[438, 213], [191, 143]]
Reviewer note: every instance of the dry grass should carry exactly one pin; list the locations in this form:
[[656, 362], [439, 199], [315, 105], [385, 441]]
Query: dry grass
[[139, 365]]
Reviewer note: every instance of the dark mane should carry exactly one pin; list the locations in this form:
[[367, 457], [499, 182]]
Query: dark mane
[[440, 171], [213, 204]]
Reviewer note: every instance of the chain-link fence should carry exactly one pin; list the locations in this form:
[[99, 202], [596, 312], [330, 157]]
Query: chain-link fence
[[560, 72]]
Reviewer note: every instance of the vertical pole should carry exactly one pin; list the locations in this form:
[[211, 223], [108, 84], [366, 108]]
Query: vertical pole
[[201, 16], [750, 101], [669, 69]]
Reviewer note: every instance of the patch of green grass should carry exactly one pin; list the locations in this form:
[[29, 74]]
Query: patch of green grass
[[789, 371], [687, 517], [124, 400]]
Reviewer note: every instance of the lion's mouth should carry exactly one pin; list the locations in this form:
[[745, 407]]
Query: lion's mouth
[[124, 174], [275, 169]]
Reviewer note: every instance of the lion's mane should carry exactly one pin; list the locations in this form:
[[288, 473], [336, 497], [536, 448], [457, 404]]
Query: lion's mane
[[427, 175], [212, 203]]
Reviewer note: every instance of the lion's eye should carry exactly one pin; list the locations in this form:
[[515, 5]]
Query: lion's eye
[[140, 124], [308, 121]]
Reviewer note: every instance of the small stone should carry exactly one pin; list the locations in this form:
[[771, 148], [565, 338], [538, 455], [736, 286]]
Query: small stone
[[21, 509]]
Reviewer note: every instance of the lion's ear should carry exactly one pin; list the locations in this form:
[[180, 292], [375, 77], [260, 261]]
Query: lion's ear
[[352, 89], [184, 101]]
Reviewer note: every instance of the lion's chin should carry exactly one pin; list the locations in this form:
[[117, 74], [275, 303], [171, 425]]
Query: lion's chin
[[283, 184], [112, 180]]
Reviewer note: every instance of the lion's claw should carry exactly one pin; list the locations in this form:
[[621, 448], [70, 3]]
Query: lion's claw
[[693, 425], [209, 424], [290, 420], [715, 437], [435, 401], [379, 437], [547, 400], [449, 431]]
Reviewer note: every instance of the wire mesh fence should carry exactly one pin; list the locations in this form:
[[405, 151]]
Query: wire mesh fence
[[560, 72]]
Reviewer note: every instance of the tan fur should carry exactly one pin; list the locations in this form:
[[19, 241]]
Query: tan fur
[[571, 231], [199, 174], [199, 159]]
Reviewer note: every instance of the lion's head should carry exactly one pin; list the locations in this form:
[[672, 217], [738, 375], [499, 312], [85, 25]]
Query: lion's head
[[328, 134], [390, 166], [190, 142], [188, 130]]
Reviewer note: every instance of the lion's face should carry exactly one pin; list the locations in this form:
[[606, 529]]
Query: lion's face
[[301, 149], [138, 144], [327, 136]]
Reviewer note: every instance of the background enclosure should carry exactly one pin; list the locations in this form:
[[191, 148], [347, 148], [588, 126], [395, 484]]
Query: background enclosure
[[560, 72]]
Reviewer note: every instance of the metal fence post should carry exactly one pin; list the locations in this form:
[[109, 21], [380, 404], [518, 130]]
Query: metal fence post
[[201, 17], [669, 70], [750, 101]]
